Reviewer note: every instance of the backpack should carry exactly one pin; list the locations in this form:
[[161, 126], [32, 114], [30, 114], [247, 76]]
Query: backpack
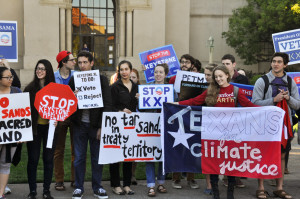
[[267, 84]]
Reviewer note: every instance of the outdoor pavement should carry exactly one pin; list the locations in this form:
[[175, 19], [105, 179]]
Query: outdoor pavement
[[291, 185]]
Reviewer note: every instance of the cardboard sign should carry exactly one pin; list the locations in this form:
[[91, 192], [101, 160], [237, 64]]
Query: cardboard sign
[[55, 102], [89, 89], [130, 137], [190, 90], [15, 123], [187, 77], [153, 96], [9, 41], [288, 42], [151, 58], [226, 141]]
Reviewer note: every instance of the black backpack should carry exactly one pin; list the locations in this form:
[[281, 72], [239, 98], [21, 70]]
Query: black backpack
[[267, 84]]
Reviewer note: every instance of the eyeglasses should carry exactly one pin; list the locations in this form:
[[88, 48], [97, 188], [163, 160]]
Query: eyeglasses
[[185, 62], [9, 77], [71, 60], [40, 69]]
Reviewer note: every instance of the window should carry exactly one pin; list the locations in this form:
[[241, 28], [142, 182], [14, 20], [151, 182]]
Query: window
[[94, 27]]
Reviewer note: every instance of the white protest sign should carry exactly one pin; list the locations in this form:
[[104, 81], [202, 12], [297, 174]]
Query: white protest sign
[[89, 89], [153, 96], [15, 122], [188, 77], [51, 131], [130, 137]]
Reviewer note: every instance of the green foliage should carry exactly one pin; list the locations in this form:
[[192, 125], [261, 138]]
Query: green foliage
[[251, 27]]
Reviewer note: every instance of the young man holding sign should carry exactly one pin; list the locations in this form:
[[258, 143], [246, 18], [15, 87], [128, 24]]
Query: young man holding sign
[[66, 63], [269, 90], [87, 128]]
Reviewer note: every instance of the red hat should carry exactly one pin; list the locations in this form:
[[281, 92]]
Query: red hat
[[62, 55]]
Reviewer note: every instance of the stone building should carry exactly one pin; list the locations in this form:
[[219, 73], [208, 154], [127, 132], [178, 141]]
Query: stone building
[[114, 30]]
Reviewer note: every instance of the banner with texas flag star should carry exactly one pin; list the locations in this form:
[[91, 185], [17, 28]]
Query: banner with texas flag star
[[241, 142]]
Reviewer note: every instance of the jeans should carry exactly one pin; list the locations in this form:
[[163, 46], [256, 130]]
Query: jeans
[[61, 131], [215, 178], [115, 174], [82, 135], [150, 174], [33, 151]]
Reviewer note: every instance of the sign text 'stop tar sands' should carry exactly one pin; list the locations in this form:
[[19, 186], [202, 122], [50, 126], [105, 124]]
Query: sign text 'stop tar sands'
[[151, 58], [9, 41], [288, 42], [88, 85]]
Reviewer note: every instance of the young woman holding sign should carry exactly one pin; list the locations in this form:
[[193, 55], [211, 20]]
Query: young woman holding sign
[[123, 93], [160, 73], [43, 75], [214, 96], [7, 151]]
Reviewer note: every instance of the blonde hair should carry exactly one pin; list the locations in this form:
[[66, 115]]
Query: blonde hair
[[214, 88]]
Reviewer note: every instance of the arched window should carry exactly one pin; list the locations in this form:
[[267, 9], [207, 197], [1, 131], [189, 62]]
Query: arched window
[[93, 23]]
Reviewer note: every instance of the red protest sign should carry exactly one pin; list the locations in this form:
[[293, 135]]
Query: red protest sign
[[55, 102]]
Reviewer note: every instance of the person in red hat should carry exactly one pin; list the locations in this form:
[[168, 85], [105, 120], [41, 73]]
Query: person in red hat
[[66, 64]]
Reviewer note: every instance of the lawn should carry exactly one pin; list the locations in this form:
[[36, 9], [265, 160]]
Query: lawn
[[19, 173]]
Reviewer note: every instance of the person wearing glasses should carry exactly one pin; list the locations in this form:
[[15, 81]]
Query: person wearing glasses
[[43, 75], [7, 151], [187, 63], [66, 64]]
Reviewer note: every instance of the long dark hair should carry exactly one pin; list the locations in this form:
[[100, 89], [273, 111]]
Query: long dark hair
[[35, 83], [119, 65], [2, 69], [213, 89]]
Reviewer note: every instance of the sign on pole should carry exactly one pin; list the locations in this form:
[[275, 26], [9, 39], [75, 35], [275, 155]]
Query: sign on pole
[[188, 77], [288, 42], [9, 41], [153, 96], [130, 137], [151, 58], [88, 85], [15, 123]]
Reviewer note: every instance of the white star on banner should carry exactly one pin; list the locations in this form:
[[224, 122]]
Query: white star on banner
[[181, 137]]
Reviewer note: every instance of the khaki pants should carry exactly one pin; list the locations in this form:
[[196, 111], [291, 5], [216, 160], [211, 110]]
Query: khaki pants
[[189, 176]]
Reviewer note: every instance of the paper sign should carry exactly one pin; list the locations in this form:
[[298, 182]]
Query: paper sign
[[153, 96], [151, 58], [15, 123], [51, 131], [288, 42], [89, 89], [9, 41], [188, 77], [130, 137]]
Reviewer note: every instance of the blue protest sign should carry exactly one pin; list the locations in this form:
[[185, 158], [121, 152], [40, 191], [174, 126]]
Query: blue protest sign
[[153, 96], [151, 58], [288, 42], [9, 41]]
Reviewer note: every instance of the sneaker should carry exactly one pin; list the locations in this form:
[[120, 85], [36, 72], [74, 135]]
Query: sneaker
[[77, 194], [31, 195], [101, 193], [225, 182], [239, 183], [2, 197], [176, 184], [193, 184], [7, 190], [47, 195]]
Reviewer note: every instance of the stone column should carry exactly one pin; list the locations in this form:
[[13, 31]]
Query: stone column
[[62, 27], [69, 29], [129, 34], [122, 33]]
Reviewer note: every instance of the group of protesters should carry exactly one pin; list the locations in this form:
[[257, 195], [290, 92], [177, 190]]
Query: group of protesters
[[122, 95]]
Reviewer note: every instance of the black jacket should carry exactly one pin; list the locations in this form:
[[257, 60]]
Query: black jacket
[[122, 98], [95, 113]]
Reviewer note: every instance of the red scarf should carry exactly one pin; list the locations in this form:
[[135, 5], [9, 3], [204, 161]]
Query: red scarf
[[287, 123]]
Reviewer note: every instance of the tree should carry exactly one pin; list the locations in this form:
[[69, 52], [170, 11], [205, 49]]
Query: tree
[[251, 27]]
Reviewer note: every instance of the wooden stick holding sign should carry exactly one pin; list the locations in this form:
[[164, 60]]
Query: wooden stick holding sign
[[55, 102]]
